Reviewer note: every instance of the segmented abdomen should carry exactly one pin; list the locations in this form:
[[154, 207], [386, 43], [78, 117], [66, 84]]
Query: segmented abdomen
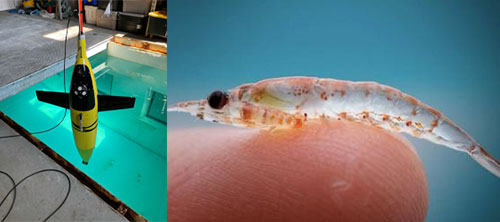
[[366, 102]]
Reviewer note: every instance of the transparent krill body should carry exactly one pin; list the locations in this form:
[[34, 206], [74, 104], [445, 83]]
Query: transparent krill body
[[290, 101]]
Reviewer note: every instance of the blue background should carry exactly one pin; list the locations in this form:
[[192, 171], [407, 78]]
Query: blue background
[[446, 53]]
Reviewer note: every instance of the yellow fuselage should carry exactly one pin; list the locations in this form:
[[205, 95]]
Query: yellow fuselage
[[83, 104]]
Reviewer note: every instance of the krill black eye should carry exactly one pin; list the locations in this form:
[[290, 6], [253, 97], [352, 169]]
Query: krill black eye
[[217, 100]]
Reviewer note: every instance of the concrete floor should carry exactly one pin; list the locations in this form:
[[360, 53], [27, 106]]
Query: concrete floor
[[39, 195], [25, 48]]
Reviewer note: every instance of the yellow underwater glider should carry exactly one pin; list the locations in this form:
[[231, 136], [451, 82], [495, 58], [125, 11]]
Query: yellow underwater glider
[[83, 101]]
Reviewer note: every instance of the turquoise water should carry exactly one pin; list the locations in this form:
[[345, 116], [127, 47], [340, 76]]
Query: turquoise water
[[446, 53], [130, 155]]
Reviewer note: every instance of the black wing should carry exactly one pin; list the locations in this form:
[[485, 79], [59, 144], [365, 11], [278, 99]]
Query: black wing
[[106, 103], [54, 98]]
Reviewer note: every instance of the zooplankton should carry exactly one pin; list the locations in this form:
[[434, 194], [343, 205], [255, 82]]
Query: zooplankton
[[290, 101]]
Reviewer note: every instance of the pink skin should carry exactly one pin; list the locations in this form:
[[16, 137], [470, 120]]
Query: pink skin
[[327, 171]]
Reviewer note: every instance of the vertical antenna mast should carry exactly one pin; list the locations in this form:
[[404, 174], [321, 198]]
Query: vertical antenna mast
[[80, 15]]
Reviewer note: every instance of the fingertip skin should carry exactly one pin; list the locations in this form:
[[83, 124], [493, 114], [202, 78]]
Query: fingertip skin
[[327, 171]]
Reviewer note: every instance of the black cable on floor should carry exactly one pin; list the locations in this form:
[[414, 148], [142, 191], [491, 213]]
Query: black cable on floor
[[14, 199], [43, 131], [64, 85], [35, 173]]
